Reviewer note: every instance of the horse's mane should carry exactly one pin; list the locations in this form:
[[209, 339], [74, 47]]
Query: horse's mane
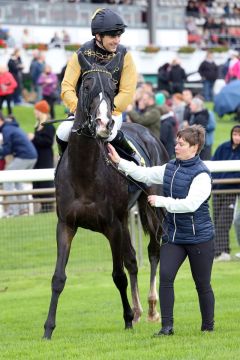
[[105, 83]]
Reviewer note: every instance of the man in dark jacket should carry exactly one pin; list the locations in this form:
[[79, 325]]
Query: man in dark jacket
[[16, 143], [209, 72], [177, 77], [148, 114], [223, 204]]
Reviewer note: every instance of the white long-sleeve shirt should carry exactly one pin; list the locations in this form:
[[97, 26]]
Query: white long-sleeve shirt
[[199, 191]]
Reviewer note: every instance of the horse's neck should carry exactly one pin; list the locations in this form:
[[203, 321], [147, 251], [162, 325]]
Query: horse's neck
[[84, 155]]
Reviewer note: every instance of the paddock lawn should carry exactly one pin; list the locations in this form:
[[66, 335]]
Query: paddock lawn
[[89, 318]]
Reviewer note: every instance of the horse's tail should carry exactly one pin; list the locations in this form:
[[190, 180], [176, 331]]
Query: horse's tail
[[152, 219]]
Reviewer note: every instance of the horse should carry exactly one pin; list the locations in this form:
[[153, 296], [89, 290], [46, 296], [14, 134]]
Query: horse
[[92, 194]]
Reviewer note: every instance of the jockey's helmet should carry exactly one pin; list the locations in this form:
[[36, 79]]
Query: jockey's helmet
[[107, 22]]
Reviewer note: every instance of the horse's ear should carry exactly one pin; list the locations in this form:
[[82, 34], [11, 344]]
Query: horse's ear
[[113, 63], [85, 65]]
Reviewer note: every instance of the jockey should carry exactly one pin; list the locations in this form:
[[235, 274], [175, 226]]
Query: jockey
[[107, 28]]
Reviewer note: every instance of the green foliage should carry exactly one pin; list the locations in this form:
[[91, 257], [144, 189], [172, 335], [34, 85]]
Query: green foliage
[[186, 50], [72, 47], [218, 49]]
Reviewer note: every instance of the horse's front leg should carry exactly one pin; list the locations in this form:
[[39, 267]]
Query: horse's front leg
[[130, 263], [65, 235], [153, 255], [114, 236]]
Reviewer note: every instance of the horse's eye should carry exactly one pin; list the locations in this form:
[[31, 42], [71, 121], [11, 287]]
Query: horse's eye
[[86, 89]]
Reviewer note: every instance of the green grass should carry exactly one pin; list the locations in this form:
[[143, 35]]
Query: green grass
[[89, 318]]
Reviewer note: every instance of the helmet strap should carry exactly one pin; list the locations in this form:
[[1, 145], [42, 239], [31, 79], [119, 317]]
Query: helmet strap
[[101, 42]]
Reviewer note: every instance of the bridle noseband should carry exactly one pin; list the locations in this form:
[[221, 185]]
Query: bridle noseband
[[88, 127]]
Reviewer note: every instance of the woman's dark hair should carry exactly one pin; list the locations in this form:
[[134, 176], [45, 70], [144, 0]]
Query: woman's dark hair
[[194, 135]]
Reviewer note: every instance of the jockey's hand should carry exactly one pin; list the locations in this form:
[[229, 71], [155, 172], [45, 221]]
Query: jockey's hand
[[113, 154], [152, 200], [71, 116]]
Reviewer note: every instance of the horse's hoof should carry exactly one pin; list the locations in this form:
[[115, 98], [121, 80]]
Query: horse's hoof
[[47, 335], [128, 326], [153, 317], [137, 317]]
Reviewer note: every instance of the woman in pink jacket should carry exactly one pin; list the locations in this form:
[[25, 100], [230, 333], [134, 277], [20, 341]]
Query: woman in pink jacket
[[7, 86], [234, 68]]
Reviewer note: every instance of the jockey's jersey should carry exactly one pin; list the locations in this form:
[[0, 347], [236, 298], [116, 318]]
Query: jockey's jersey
[[125, 76], [95, 55]]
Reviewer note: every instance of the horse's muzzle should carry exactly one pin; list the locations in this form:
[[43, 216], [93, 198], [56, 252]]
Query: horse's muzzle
[[103, 128]]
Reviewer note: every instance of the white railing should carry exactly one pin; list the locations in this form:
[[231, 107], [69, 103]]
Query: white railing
[[48, 174]]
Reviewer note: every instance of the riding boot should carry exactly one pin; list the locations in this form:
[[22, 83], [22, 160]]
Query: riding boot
[[62, 145], [121, 142]]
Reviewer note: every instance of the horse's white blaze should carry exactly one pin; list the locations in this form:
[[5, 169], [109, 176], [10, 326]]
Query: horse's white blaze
[[102, 117]]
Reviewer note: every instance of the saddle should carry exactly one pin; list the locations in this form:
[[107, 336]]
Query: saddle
[[135, 188]]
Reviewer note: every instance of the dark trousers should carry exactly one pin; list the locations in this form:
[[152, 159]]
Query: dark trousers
[[200, 258], [223, 210], [8, 99], [50, 100]]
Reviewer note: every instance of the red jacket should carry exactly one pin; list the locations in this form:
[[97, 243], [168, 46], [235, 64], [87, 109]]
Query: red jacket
[[7, 83]]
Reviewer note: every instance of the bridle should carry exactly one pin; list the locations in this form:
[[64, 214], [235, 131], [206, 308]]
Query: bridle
[[88, 127]]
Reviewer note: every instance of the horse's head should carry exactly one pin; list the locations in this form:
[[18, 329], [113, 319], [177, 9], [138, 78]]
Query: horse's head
[[96, 96]]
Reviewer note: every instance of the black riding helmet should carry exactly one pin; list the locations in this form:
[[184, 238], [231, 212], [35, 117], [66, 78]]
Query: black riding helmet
[[106, 21]]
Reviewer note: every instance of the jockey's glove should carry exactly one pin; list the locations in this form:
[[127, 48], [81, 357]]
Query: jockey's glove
[[71, 117]]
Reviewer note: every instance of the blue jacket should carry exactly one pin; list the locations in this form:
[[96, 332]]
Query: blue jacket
[[209, 139], [186, 228], [16, 142], [225, 151]]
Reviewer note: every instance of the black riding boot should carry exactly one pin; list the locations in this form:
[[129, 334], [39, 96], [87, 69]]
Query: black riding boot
[[62, 145], [121, 142]]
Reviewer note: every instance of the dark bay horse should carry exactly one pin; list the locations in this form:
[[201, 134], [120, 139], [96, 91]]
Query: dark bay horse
[[92, 194]]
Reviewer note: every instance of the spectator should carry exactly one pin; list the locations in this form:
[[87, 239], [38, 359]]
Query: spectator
[[187, 98], [163, 77], [43, 139], [223, 204], [26, 38], [65, 37], [2, 160], [160, 98], [10, 41], [200, 116], [177, 77], [148, 115], [15, 66], [233, 71], [209, 72], [209, 137], [168, 129], [7, 86], [36, 68], [16, 143], [56, 41], [178, 106], [187, 230], [3, 33], [49, 82]]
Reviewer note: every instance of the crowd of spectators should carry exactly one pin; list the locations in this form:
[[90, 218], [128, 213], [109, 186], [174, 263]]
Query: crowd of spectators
[[208, 24]]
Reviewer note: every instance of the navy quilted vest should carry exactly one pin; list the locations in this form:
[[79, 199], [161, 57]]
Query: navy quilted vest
[[186, 228]]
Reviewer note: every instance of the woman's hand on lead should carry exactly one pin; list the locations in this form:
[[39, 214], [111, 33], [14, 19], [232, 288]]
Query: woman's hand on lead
[[152, 199], [113, 154]]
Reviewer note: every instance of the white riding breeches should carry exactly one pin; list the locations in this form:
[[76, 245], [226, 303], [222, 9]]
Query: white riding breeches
[[64, 129]]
